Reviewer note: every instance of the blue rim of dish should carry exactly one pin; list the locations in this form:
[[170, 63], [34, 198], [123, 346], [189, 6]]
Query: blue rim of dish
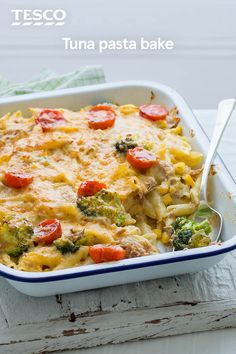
[[117, 268]]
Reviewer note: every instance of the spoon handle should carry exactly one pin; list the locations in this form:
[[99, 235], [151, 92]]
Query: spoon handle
[[225, 109]]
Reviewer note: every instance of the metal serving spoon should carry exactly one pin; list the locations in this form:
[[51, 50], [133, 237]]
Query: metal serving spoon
[[225, 109]]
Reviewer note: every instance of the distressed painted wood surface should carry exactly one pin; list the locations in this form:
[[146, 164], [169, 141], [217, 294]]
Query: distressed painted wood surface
[[151, 309]]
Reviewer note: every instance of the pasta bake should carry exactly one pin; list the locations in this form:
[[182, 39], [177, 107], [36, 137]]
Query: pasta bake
[[106, 183]]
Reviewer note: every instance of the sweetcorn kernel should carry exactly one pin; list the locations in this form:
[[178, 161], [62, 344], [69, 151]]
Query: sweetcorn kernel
[[194, 159], [188, 180], [158, 233], [163, 188], [179, 168], [165, 238], [162, 153], [162, 124], [167, 199], [18, 114], [128, 109], [178, 130]]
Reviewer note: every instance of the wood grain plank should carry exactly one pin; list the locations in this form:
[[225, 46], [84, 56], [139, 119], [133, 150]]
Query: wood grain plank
[[125, 326]]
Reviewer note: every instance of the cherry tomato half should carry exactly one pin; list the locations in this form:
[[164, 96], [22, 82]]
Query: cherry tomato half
[[47, 231], [17, 179], [141, 158], [153, 112], [101, 117], [103, 253], [49, 119], [89, 188]]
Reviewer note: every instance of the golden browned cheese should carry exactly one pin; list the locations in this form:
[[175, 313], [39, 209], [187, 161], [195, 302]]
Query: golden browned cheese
[[61, 159]]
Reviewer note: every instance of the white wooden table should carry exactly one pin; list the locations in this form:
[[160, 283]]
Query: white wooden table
[[152, 309]]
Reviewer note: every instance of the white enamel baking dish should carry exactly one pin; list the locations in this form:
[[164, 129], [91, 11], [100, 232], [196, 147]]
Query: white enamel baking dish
[[142, 268]]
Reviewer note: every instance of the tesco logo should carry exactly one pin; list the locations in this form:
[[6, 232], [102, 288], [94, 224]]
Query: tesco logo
[[37, 17]]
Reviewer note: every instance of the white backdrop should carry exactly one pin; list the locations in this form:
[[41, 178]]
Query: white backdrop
[[202, 67]]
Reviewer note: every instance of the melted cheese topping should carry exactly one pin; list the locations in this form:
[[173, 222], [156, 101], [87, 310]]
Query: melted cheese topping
[[61, 159]]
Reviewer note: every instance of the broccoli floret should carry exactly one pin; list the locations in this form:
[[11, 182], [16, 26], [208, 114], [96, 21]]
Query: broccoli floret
[[125, 144], [15, 236], [104, 204], [199, 240], [70, 244], [188, 233], [65, 245], [182, 223], [181, 240], [204, 225]]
